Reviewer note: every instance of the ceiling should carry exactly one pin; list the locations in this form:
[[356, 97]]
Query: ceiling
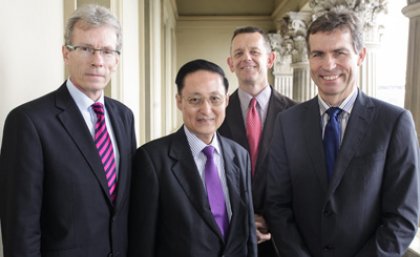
[[236, 7]]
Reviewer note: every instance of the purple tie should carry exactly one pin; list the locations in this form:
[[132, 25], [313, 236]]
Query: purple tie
[[215, 191], [106, 152]]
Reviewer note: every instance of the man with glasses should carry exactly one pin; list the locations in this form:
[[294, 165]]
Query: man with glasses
[[66, 157], [191, 192]]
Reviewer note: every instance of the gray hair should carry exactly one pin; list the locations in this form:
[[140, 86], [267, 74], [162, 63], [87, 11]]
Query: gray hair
[[93, 16]]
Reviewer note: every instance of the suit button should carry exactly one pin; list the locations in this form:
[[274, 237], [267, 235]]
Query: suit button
[[328, 248], [110, 255]]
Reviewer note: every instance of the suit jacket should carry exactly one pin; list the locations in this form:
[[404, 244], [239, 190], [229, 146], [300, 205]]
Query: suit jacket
[[170, 213], [53, 191], [233, 127], [371, 205]]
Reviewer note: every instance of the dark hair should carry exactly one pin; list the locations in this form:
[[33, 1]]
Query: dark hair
[[196, 65], [251, 29], [338, 19]]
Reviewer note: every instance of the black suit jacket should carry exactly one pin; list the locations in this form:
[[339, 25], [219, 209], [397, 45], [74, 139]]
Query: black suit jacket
[[371, 205], [53, 194], [233, 127], [170, 213]]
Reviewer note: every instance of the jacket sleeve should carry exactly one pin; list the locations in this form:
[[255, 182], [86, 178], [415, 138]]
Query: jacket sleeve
[[400, 194], [143, 212], [21, 186], [278, 206]]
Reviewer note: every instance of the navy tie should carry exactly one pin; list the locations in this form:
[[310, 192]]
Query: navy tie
[[332, 139]]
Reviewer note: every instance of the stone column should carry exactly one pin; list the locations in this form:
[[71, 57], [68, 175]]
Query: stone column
[[303, 88], [412, 92], [282, 71]]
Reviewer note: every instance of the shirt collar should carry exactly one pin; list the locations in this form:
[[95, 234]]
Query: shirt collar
[[197, 145], [262, 98], [346, 105], [82, 100]]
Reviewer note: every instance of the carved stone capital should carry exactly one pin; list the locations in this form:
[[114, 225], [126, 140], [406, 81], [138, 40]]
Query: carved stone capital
[[367, 10], [412, 1]]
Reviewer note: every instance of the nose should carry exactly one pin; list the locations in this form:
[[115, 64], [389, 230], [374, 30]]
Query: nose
[[97, 59], [205, 107], [329, 62]]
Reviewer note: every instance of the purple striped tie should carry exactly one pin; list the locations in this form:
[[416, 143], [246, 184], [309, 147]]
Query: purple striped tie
[[106, 152]]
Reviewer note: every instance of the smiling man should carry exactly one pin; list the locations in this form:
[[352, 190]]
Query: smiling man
[[191, 191], [65, 161], [250, 59], [344, 168]]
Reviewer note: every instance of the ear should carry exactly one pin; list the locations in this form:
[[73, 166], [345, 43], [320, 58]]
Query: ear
[[227, 100], [65, 51], [117, 61], [361, 56], [230, 63], [178, 102], [271, 59]]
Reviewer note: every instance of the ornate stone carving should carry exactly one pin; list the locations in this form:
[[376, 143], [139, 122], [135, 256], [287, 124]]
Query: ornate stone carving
[[368, 10], [413, 1]]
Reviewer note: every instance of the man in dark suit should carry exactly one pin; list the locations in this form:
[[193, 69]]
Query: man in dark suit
[[363, 202], [251, 57], [173, 209], [58, 195]]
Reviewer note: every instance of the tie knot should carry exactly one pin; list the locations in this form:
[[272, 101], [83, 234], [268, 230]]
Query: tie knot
[[208, 151], [98, 108], [253, 103], [333, 112]]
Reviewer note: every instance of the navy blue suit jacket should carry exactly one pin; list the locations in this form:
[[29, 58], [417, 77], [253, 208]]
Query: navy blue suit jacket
[[371, 205]]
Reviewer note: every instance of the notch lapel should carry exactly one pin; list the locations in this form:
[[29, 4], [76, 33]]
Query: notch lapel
[[76, 128], [187, 175], [313, 138], [122, 143], [361, 117]]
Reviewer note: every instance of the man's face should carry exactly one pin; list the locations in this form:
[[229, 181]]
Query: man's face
[[334, 64], [250, 59], [90, 73], [202, 102]]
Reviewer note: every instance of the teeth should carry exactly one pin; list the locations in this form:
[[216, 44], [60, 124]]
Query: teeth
[[330, 77]]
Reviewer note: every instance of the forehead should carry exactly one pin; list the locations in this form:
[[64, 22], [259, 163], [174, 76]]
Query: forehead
[[203, 82], [331, 40], [242, 40], [88, 34]]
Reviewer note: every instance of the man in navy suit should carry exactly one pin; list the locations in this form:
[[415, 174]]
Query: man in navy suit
[[368, 204], [172, 210], [58, 195], [250, 59]]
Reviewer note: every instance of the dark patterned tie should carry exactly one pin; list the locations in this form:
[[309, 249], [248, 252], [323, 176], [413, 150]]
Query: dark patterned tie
[[215, 191], [253, 132], [106, 152], [332, 139]]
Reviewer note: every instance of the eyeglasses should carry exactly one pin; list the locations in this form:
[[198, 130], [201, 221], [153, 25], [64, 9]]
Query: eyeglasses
[[88, 51], [196, 101]]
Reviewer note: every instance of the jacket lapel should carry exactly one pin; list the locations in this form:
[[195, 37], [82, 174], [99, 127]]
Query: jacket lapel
[[236, 122], [313, 138], [76, 128], [233, 181], [186, 173], [118, 129], [361, 117]]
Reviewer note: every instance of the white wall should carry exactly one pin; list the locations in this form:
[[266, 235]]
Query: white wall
[[30, 52]]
